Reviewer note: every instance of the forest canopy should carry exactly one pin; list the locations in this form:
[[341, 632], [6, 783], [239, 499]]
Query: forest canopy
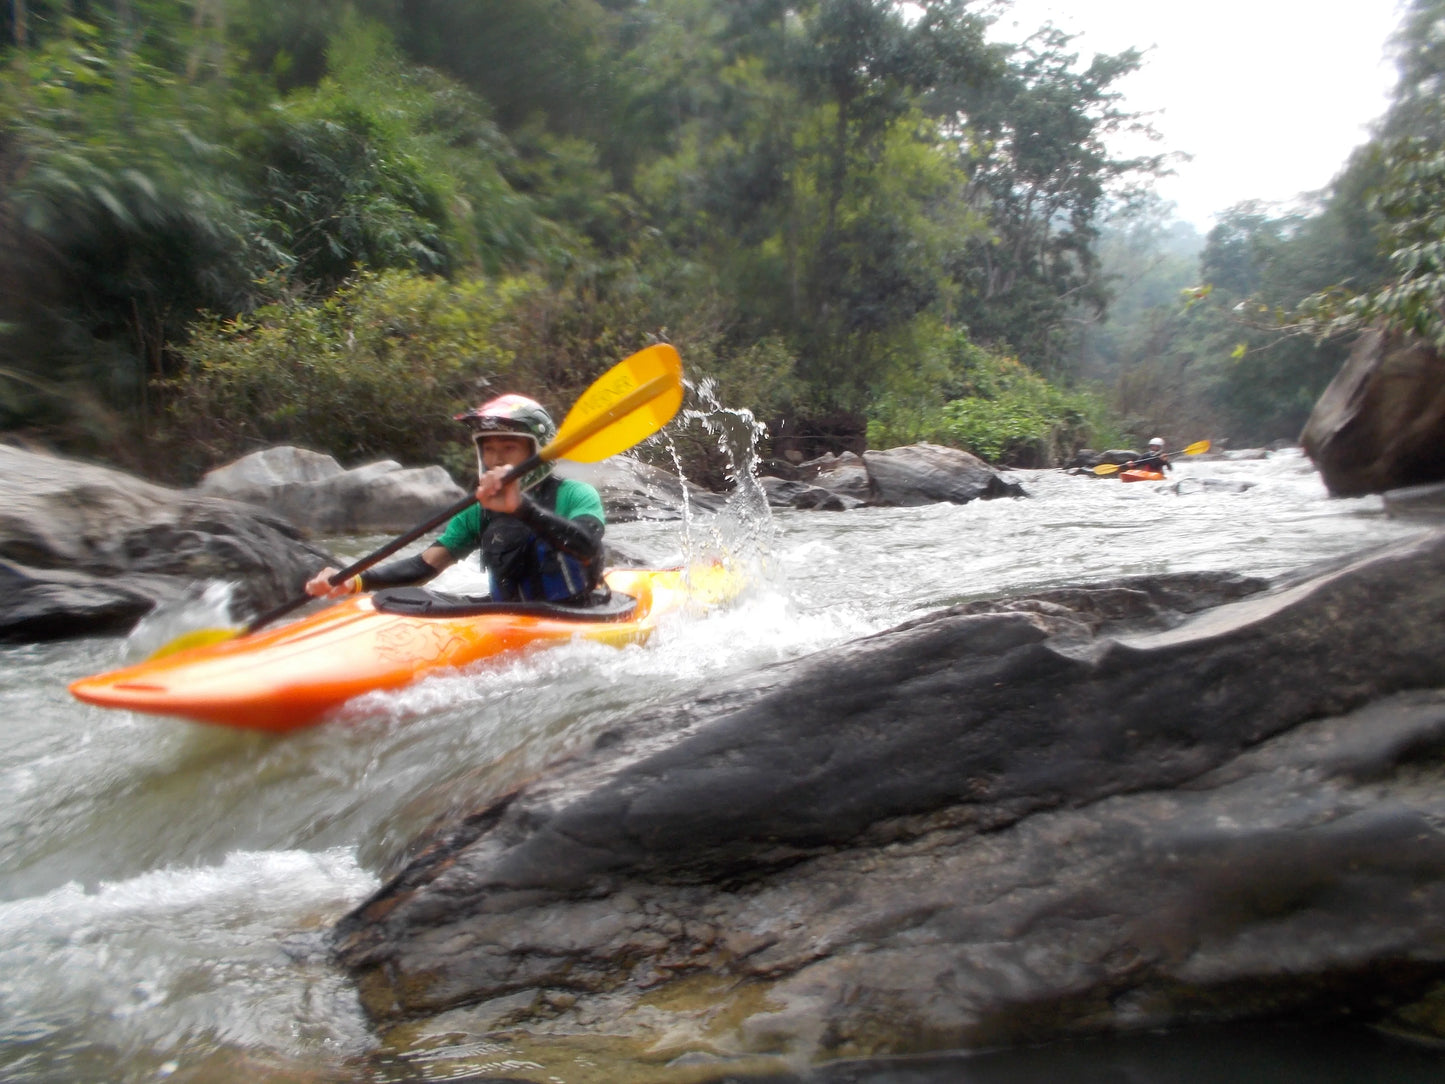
[[224, 222]]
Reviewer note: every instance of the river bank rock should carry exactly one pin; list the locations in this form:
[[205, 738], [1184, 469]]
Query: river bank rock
[[85, 549], [1163, 801], [915, 474], [317, 494], [1380, 424]]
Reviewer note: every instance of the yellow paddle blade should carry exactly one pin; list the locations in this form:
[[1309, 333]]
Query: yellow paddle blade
[[195, 638], [628, 403], [1198, 447], [1107, 468]]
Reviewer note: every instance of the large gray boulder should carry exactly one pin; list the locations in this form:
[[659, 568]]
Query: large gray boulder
[[1163, 801], [914, 474], [321, 497], [930, 473], [1380, 424], [85, 549]]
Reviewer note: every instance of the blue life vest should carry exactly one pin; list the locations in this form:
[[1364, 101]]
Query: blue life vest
[[523, 566]]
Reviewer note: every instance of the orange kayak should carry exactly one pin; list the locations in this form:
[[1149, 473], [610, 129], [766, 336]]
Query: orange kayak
[[289, 677], [1141, 476]]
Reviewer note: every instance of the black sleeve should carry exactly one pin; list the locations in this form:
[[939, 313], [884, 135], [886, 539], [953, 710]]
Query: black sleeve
[[580, 538], [400, 573]]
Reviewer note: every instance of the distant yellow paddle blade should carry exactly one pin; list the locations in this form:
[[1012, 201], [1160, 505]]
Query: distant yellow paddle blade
[[1107, 468], [195, 638], [1197, 448], [627, 404]]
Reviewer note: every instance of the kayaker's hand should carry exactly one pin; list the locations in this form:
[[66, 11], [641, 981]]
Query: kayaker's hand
[[320, 585], [495, 497]]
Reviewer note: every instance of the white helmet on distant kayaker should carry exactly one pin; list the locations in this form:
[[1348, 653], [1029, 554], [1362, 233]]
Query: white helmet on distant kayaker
[[1156, 442], [512, 415]]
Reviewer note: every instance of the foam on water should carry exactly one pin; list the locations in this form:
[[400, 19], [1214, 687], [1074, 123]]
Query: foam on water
[[161, 961]]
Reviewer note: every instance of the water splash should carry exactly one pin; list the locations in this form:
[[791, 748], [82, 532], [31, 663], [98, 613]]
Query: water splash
[[207, 606], [741, 535]]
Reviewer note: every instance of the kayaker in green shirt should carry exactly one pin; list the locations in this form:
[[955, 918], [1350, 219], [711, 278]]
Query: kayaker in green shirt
[[540, 537]]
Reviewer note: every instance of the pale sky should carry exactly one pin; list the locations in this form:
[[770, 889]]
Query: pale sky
[[1270, 96]]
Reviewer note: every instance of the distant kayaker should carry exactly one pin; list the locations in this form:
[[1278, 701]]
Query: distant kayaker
[[540, 536], [1155, 459]]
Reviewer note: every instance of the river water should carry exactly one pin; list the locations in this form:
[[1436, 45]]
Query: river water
[[162, 882]]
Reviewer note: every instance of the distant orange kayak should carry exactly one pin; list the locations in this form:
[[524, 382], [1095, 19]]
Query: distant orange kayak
[[1141, 476], [289, 677]]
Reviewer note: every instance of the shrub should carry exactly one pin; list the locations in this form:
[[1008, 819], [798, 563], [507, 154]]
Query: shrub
[[1017, 418], [375, 370], [949, 390]]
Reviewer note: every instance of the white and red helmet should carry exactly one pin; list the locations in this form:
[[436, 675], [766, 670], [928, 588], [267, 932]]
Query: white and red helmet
[[512, 415]]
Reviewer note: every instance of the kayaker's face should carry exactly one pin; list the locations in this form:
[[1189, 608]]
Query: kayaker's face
[[503, 451]]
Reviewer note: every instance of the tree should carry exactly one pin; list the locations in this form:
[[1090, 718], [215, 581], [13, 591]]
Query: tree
[[1034, 147], [119, 223], [1417, 108]]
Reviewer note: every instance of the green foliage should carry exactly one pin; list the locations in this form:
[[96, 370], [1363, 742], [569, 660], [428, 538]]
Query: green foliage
[[1290, 290], [522, 57], [384, 166], [1223, 356], [377, 369], [1017, 418], [342, 198], [800, 195], [1411, 202], [117, 222], [760, 375], [986, 403]]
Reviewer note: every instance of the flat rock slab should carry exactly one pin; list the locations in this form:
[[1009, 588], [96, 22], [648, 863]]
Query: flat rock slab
[[1161, 801]]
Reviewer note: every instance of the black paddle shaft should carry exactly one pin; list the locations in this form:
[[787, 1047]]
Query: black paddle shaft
[[361, 565]]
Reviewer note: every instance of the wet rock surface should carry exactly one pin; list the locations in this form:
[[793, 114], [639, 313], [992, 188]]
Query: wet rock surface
[[1157, 802]]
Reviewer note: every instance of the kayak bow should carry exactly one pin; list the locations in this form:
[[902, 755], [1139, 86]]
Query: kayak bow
[[290, 677]]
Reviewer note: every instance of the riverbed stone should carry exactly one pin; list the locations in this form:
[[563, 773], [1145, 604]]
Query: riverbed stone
[[85, 549], [1106, 808], [783, 493], [845, 474]]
